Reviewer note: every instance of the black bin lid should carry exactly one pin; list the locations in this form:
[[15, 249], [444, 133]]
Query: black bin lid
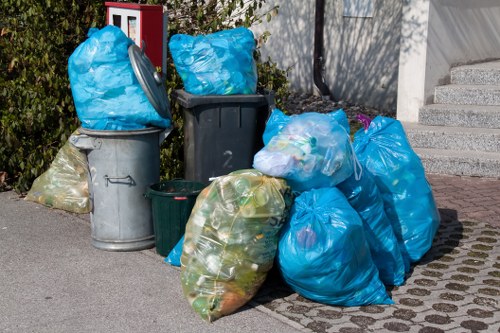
[[151, 81]]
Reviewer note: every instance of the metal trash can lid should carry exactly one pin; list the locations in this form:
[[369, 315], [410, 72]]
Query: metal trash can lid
[[151, 81]]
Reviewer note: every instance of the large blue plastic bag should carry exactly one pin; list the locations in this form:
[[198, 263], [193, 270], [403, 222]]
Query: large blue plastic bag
[[311, 151], [323, 254], [221, 63], [385, 152], [363, 195], [105, 90]]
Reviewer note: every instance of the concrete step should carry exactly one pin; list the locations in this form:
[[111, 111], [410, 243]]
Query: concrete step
[[468, 94], [463, 163], [482, 73], [479, 116], [454, 138]]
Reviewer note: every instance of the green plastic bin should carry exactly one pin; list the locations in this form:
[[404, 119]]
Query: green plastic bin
[[171, 203]]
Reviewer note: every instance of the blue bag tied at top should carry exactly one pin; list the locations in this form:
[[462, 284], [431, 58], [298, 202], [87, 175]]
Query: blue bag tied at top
[[323, 253], [221, 63], [385, 152], [106, 92], [363, 195]]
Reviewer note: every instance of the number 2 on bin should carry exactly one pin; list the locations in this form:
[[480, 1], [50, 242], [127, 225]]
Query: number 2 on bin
[[229, 157]]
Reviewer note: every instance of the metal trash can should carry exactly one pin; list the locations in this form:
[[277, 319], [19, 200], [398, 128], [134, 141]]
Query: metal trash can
[[222, 133], [172, 202], [122, 164]]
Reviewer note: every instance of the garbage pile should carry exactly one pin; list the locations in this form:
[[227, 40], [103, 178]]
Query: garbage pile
[[386, 186], [341, 219], [362, 213]]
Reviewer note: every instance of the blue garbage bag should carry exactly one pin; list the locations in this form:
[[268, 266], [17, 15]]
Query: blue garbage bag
[[385, 152], [363, 195], [275, 123], [174, 256], [311, 151], [221, 63], [323, 253], [105, 90]]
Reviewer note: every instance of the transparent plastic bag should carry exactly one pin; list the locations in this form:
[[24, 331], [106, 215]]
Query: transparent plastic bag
[[65, 184], [221, 63], [385, 152], [323, 253], [311, 151], [106, 92], [277, 120], [231, 240]]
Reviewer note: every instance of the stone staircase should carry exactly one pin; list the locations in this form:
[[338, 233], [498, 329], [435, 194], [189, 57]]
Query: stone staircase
[[460, 133]]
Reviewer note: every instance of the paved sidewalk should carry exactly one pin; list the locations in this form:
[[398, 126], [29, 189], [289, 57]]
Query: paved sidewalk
[[455, 288], [53, 280]]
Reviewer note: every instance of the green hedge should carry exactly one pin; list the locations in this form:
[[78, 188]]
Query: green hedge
[[37, 37], [36, 108]]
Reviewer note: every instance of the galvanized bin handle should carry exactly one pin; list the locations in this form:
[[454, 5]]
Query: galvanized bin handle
[[119, 180], [84, 142]]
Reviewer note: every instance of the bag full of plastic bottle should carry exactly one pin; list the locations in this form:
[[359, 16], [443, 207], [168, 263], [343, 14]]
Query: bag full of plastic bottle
[[384, 151], [278, 119], [231, 240], [64, 185], [323, 253], [106, 92], [220, 63], [311, 151]]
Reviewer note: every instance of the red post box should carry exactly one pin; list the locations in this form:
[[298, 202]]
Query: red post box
[[142, 23]]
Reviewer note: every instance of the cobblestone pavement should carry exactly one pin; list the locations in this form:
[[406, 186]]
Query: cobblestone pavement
[[455, 287]]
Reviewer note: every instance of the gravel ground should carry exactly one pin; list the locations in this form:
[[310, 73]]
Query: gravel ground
[[298, 103]]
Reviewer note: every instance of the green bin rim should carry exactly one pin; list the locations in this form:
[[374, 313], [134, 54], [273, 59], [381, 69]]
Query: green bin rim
[[179, 186]]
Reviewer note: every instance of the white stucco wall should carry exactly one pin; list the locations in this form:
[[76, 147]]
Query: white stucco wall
[[437, 35], [392, 60], [361, 54], [291, 41]]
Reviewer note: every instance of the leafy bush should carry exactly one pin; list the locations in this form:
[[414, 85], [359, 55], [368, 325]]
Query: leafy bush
[[37, 37], [36, 109]]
